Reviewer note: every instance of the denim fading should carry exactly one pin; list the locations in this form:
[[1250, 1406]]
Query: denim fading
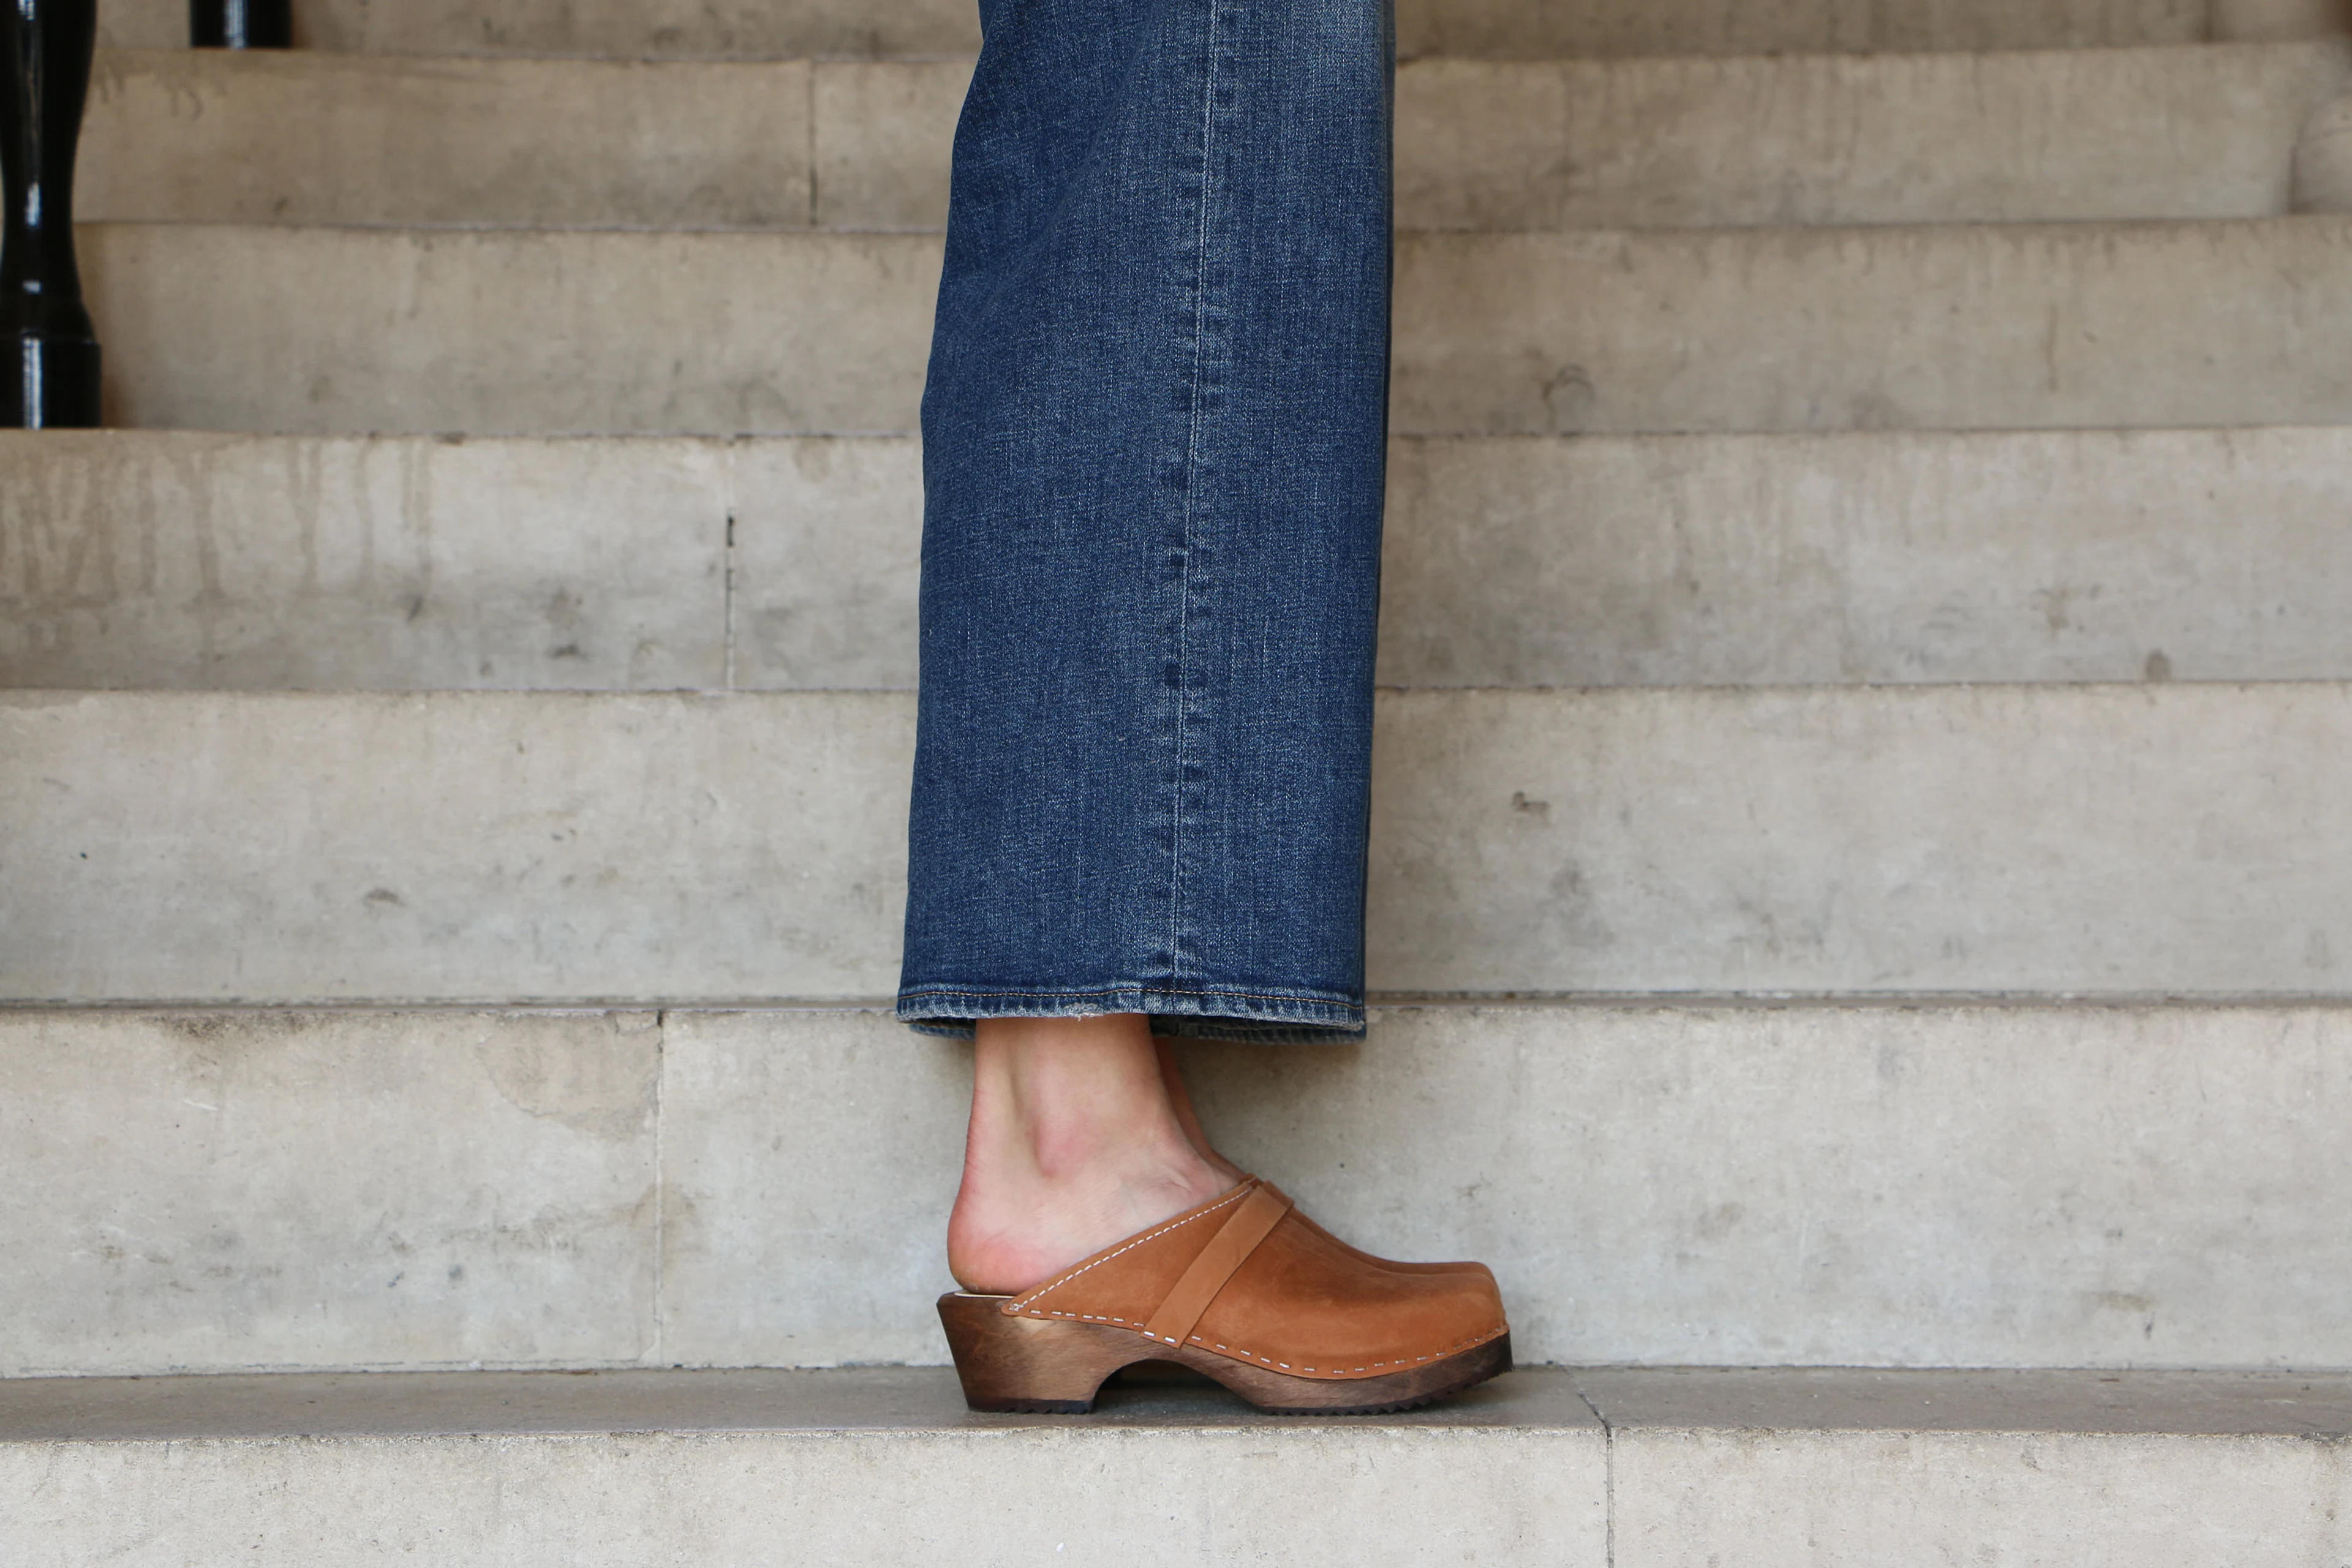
[[1154, 439]]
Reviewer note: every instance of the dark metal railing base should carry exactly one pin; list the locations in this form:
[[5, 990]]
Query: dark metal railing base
[[241, 23], [48, 384], [49, 349]]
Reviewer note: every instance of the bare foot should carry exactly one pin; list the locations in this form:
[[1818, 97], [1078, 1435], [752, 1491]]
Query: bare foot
[[1188, 1119], [1076, 1143]]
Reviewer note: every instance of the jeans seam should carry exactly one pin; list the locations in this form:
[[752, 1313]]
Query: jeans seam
[[1178, 958]]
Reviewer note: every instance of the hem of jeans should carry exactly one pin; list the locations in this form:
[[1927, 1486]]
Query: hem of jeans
[[1250, 1017]]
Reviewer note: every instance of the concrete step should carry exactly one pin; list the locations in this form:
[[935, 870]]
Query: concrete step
[[2007, 327], [1507, 28], [2170, 839], [1524, 29], [175, 136], [1575, 1469], [161, 559], [324, 330], [620, 29], [1579, 1470], [1653, 1183], [1826, 138]]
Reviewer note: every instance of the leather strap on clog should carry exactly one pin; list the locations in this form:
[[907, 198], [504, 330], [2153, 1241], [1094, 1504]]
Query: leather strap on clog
[[1227, 1251]]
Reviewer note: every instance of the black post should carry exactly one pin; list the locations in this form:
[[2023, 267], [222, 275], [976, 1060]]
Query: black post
[[49, 377], [240, 24]]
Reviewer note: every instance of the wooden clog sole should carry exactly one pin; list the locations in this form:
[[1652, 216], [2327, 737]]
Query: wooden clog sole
[[1045, 1365]]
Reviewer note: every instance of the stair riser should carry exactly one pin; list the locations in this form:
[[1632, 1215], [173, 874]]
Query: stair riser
[[1715, 561], [1507, 28], [1828, 140], [1850, 1499], [181, 137], [1518, 30], [628, 29], [2179, 133], [1983, 328], [816, 1496], [1833, 1186], [166, 560], [238, 562], [1676, 1499], [2182, 840], [2261, 20], [1818, 1499], [2080, 326], [1580, 1469], [335, 330], [211, 136]]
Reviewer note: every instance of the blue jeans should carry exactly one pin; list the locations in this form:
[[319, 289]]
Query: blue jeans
[[1154, 441]]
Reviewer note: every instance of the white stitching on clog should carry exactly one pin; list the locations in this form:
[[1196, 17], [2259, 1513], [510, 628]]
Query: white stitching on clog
[[1473, 1341], [1039, 1294]]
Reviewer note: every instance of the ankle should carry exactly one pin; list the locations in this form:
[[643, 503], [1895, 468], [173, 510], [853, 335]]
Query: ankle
[[1072, 1099], [1074, 1145]]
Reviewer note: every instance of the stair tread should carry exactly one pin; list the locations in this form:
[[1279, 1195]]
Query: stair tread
[[2209, 1472], [907, 1401]]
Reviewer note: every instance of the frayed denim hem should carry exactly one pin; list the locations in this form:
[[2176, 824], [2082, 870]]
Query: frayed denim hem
[[1247, 1017]]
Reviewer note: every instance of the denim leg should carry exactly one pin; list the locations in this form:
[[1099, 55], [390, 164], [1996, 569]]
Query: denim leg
[[1154, 441]]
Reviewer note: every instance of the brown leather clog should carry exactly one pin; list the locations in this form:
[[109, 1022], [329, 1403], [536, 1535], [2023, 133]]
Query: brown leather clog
[[1249, 1291]]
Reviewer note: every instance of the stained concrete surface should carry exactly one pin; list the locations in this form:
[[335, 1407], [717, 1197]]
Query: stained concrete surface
[[1509, 28], [346, 1189], [864, 1399], [759, 1469], [2154, 839], [181, 560], [1831, 1185], [876, 1466], [175, 560], [2073, 135], [1939, 326]]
